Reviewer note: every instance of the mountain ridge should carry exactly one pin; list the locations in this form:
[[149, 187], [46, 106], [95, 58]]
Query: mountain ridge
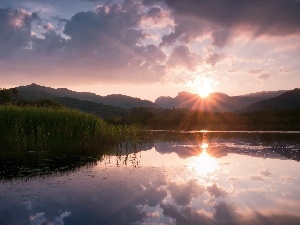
[[287, 101], [215, 102], [37, 92]]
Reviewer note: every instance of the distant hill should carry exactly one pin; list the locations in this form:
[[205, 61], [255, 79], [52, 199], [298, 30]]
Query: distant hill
[[216, 102], [103, 111], [265, 94], [286, 101], [36, 92]]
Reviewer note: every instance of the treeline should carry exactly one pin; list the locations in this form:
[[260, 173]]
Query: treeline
[[186, 119], [176, 118], [11, 97]]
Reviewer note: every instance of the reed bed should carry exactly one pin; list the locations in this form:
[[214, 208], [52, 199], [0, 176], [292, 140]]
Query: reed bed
[[38, 129]]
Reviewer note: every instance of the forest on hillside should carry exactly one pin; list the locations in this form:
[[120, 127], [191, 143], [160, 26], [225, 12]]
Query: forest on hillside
[[175, 118], [186, 119]]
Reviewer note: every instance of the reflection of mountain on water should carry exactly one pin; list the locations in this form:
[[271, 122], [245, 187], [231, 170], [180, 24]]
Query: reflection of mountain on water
[[220, 149], [273, 146], [272, 152], [182, 149]]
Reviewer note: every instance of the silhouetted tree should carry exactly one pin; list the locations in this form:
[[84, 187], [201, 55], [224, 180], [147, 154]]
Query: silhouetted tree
[[8, 96]]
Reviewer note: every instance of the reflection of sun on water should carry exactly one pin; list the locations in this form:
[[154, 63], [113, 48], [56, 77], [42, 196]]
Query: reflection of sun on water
[[204, 163]]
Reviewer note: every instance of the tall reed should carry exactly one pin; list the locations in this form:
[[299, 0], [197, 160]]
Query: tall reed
[[37, 128]]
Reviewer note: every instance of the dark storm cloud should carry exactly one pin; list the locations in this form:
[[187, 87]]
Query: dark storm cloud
[[223, 17], [15, 30]]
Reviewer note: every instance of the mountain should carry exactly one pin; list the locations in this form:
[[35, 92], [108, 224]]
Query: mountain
[[286, 101], [103, 111], [265, 94], [217, 102], [36, 92]]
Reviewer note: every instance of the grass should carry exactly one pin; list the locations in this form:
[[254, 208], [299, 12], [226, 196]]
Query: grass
[[38, 129]]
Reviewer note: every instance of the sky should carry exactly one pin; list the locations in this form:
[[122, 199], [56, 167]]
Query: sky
[[151, 48]]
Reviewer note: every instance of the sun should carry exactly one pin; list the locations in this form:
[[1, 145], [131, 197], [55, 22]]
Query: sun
[[204, 90], [202, 85]]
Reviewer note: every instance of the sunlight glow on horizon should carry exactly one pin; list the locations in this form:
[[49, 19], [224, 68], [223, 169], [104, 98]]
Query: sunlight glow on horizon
[[204, 91], [203, 86]]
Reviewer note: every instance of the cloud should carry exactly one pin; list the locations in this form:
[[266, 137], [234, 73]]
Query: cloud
[[15, 30], [106, 27], [157, 17], [221, 37], [48, 27], [255, 71], [234, 178], [255, 16], [257, 178], [109, 39], [185, 30], [264, 77], [215, 58], [181, 56], [284, 70], [50, 44], [104, 45]]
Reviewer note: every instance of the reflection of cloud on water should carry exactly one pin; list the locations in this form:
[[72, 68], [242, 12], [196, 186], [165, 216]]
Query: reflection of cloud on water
[[226, 214], [265, 172], [171, 193], [235, 178], [185, 192], [257, 178], [40, 218], [216, 190], [287, 179], [185, 215], [258, 190]]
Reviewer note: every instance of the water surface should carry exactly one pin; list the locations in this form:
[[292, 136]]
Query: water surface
[[200, 179]]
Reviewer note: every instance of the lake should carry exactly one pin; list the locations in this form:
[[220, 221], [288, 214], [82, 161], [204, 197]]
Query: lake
[[169, 178]]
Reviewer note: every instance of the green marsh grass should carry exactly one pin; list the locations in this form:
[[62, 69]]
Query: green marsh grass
[[38, 129]]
